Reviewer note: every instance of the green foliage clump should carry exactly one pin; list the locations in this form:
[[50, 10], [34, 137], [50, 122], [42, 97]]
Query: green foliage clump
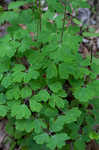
[[46, 87]]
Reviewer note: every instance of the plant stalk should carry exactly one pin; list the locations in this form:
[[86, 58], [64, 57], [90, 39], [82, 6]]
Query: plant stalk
[[91, 55], [40, 15], [62, 33]]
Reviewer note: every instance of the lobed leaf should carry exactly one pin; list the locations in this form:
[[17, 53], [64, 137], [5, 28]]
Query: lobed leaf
[[42, 138], [24, 125], [3, 110], [57, 140], [20, 111], [35, 106], [26, 92]]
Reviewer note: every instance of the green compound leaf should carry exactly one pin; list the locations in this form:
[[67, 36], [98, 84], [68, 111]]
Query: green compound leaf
[[13, 93], [35, 85], [27, 77], [6, 50], [34, 74], [56, 101], [20, 111], [80, 143], [94, 136], [36, 59], [18, 68], [35, 106], [89, 34], [51, 71], [57, 125], [95, 103], [18, 73], [6, 82], [29, 144], [84, 94], [76, 21], [42, 138], [94, 87], [31, 74], [24, 125], [2, 98], [64, 71], [43, 95], [57, 140], [72, 115], [55, 86], [3, 110], [26, 92], [14, 5], [39, 125], [18, 77], [4, 65], [62, 93], [12, 103], [49, 112]]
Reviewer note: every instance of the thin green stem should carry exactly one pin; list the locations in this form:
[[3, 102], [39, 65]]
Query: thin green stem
[[36, 3], [36, 19], [63, 26], [40, 15], [91, 55]]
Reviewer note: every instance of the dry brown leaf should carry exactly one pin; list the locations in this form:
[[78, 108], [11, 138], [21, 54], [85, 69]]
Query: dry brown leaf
[[85, 52]]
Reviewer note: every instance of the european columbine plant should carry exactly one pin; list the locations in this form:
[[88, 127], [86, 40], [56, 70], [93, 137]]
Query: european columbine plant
[[48, 93]]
